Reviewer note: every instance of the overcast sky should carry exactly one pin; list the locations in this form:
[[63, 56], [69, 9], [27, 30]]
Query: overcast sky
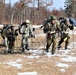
[[57, 3]]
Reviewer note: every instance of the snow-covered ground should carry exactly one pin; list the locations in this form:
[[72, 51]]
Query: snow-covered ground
[[66, 56]]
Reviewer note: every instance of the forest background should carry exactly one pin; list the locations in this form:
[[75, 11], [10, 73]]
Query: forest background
[[34, 10]]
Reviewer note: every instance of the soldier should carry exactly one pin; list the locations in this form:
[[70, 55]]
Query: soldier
[[51, 29], [2, 35], [65, 27], [9, 34], [26, 31]]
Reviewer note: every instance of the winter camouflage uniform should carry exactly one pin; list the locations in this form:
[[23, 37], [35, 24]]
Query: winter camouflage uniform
[[65, 27], [51, 30], [27, 32], [9, 35]]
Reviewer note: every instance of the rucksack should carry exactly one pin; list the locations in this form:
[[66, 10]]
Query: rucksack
[[45, 25], [72, 21]]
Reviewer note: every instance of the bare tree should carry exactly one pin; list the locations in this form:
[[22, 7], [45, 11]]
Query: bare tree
[[70, 7], [2, 10]]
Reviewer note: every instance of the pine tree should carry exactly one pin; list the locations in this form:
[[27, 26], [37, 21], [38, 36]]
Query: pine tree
[[70, 6]]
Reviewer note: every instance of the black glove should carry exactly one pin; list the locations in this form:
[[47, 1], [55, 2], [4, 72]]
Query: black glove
[[32, 35], [16, 34], [33, 29], [71, 27], [23, 33]]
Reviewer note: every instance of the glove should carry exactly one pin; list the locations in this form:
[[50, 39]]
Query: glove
[[33, 29], [71, 27], [32, 35], [23, 33], [16, 34]]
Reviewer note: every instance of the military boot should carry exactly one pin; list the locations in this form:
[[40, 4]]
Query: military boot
[[59, 47], [65, 48], [53, 52], [47, 49], [23, 47], [27, 47], [9, 51], [66, 44]]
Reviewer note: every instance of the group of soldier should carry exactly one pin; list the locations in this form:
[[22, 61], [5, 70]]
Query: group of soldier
[[9, 34], [57, 28], [52, 27]]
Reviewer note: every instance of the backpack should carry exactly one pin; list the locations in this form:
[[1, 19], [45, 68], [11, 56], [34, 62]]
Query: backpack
[[72, 21], [23, 24], [65, 26], [45, 25]]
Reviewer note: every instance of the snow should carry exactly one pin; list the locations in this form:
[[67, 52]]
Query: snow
[[74, 27], [37, 51], [73, 44], [62, 65], [62, 70], [28, 73], [15, 64], [69, 59], [1, 26], [64, 52], [41, 35], [32, 57], [72, 32], [65, 57], [36, 54], [49, 54], [37, 26], [40, 61]]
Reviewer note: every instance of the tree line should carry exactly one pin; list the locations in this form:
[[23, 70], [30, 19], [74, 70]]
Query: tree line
[[34, 10]]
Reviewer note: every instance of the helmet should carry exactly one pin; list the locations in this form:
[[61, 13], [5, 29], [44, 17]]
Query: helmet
[[67, 19], [53, 18], [27, 21]]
